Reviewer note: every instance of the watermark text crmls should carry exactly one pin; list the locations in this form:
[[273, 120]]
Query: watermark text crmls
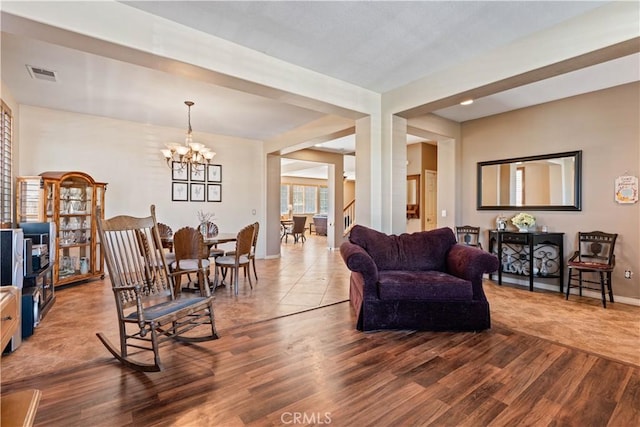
[[305, 418]]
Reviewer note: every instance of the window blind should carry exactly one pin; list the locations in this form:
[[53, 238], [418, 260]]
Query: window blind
[[6, 172]]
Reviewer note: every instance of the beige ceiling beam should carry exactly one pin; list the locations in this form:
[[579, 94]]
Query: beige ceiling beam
[[324, 129], [28, 28], [608, 32], [599, 56]]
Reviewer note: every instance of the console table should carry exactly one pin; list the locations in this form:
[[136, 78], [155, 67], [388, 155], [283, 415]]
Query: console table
[[532, 254]]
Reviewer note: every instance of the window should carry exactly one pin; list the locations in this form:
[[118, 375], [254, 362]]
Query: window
[[6, 173], [284, 199], [303, 199], [310, 199], [298, 199], [323, 193], [520, 187]]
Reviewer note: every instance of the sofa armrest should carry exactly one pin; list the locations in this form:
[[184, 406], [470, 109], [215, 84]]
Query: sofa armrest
[[357, 259], [470, 263]]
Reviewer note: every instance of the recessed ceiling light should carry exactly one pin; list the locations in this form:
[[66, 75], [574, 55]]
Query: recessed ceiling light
[[467, 102]]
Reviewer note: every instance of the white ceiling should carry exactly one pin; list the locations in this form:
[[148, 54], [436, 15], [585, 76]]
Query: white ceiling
[[375, 45], [378, 45]]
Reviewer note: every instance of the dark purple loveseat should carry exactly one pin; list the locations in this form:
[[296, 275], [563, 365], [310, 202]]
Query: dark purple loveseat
[[423, 281]]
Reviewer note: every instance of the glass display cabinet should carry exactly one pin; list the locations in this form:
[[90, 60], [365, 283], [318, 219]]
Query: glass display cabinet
[[70, 201]]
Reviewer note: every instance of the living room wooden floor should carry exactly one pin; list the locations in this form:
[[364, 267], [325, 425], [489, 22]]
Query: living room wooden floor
[[538, 365]]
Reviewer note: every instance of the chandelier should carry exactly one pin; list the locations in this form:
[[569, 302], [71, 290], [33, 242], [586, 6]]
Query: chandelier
[[190, 153]]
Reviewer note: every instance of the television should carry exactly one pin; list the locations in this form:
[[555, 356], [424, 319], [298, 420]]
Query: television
[[41, 233]]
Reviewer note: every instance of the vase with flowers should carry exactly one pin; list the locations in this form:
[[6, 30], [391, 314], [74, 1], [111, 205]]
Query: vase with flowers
[[206, 225], [523, 221]]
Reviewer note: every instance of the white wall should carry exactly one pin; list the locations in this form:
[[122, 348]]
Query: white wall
[[126, 155]]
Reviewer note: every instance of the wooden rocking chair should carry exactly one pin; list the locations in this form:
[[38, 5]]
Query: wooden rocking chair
[[150, 312]]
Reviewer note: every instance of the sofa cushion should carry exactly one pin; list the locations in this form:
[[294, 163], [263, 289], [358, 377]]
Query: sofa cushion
[[423, 286], [424, 250]]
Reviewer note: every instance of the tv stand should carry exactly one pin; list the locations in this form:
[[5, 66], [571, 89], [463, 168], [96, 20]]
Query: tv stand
[[38, 295]]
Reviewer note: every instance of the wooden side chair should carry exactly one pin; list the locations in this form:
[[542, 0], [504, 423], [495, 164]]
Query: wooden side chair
[[191, 256], [468, 235], [149, 312], [240, 258], [594, 257], [297, 229], [165, 233], [252, 254]]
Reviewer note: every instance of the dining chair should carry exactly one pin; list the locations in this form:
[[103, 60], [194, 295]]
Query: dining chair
[[191, 256], [297, 229], [240, 258], [165, 233], [212, 230], [252, 254], [468, 235], [594, 257]]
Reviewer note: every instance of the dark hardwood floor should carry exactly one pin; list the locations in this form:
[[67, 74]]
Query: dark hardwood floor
[[289, 355]]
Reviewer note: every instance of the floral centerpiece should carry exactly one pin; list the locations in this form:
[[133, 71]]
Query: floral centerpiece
[[205, 218], [523, 221]]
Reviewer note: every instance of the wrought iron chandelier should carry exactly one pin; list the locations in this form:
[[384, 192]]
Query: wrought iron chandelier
[[179, 156]]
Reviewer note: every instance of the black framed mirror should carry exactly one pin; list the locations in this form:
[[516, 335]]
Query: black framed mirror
[[549, 182]]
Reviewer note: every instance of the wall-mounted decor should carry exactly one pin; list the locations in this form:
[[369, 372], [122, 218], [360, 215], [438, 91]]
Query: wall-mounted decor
[[198, 173], [626, 189], [548, 182], [197, 192], [179, 191], [214, 173], [179, 172], [214, 193]]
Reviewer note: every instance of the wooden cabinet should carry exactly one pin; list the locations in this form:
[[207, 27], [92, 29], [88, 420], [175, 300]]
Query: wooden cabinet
[[70, 200], [8, 314]]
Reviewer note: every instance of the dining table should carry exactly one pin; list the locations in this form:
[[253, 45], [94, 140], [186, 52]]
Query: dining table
[[210, 240]]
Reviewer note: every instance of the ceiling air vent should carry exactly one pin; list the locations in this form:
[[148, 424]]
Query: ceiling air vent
[[42, 74]]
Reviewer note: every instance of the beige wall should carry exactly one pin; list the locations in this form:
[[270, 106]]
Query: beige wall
[[605, 126], [429, 156], [349, 192]]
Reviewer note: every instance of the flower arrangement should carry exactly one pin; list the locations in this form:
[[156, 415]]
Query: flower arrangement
[[205, 216], [523, 220]]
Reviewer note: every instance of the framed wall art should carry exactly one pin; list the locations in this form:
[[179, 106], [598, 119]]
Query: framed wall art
[[626, 189], [198, 173], [214, 193], [214, 173], [179, 191], [179, 172], [197, 192]]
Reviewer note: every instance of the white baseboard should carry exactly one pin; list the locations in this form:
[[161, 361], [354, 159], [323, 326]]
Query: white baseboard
[[551, 287]]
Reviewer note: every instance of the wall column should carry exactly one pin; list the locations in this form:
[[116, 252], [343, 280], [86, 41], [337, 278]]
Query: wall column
[[272, 226]]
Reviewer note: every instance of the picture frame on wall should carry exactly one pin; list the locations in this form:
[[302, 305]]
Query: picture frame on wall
[[214, 173], [179, 172], [197, 192], [179, 191], [214, 193], [198, 173]]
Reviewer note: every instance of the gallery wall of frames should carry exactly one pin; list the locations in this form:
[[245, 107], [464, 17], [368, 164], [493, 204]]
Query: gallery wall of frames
[[191, 183]]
